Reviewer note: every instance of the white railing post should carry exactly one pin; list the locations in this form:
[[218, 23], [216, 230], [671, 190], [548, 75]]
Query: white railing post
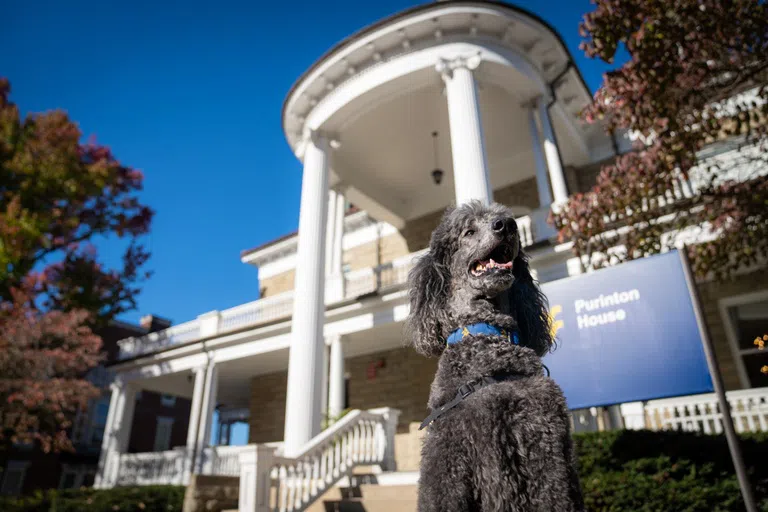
[[255, 480], [634, 415], [391, 417], [209, 323]]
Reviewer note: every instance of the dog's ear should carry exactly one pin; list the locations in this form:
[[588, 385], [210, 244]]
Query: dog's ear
[[531, 308], [428, 288]]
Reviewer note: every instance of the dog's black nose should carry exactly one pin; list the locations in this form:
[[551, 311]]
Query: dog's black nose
[[499, 225]]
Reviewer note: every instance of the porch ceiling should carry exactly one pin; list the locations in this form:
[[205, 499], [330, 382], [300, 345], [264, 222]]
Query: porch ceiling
[[236, 376], [387, 155]]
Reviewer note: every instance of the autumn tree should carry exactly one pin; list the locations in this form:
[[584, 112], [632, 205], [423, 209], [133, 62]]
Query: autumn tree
[[695, 80], [57, 197]]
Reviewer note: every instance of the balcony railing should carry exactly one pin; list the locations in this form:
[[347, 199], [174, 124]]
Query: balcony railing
[[701, 413], [390, 276]]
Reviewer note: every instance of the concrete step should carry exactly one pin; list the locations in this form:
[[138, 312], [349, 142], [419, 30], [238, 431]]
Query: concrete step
[[373, 498]]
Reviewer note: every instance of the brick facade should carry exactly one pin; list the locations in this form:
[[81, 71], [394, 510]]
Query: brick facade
[[372, 254], [267, 421], [413, 237], [149, 407], [403, 383], [280, 283]]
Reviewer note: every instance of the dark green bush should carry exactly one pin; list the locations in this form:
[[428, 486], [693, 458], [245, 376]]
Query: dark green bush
[[153, 498], [667, 471]]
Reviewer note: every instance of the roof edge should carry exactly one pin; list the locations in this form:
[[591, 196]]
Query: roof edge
[[415, 10]]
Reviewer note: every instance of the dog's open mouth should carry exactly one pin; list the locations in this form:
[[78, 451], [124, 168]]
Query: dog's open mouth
[[499, 259]]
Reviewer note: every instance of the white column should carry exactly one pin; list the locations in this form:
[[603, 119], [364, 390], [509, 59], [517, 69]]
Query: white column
[[305, 366], [107, 455], [324, 396], [206, 419], [542, 182], [556, 175], [334, 289], [255, 468], [330, 229], [117, 435], [194, 419], [338, 239], [470, 165], [336, 390]]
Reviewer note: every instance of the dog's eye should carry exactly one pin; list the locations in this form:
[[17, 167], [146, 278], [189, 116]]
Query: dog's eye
[[469, 232]]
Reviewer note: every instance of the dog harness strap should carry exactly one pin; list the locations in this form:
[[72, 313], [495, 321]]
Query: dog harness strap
[[483, 328], [464, 391]]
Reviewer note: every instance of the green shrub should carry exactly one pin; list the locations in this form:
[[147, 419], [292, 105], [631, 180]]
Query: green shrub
[[667, 471], [153, 498]]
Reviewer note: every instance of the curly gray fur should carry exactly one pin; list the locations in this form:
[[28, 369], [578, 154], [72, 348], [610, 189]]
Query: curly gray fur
[[507, 447]]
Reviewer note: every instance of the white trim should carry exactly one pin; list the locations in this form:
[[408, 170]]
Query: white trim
[[357, 232], [301, 105], [730, 330]]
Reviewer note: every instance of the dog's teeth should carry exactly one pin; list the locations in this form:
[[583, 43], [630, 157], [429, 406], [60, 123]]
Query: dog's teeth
[[491, 263]]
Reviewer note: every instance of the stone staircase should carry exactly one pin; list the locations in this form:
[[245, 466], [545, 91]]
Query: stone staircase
[[387, 492], [368, 492]]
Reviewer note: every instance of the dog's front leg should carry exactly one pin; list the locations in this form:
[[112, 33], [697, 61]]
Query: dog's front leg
[[445, 482]]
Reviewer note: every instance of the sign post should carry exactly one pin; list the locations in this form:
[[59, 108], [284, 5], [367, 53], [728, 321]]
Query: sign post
[[717, 382]]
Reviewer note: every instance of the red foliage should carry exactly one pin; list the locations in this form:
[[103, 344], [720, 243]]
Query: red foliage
[[44, 357], [696, 76], [57, 195]]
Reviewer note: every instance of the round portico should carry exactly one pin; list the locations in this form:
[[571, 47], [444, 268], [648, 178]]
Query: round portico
[[494, 83]]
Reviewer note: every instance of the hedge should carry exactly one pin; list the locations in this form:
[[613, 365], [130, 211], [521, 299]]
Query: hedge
[[151, 498], [620, 471], [667, 471]]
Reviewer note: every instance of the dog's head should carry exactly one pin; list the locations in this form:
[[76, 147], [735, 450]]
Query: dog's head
[[475, 271]]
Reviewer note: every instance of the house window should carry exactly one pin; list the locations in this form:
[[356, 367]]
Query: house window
[[99, 422], [168, 400], [163, 434], [746, 318], [13, 477]]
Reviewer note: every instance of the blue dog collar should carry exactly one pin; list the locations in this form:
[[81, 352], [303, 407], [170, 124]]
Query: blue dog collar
[[482, 328]]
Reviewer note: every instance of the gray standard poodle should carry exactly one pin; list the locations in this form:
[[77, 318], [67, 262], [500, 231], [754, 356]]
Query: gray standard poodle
[[499, 433]]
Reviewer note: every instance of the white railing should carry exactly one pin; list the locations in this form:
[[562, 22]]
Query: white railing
[[525, 228], [258, 311], [701, 413], [152, 342], [153, 468], [222, 460], [356, 284], [274, 483]]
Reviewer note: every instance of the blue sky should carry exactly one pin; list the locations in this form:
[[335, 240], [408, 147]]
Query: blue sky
[[191, 94]]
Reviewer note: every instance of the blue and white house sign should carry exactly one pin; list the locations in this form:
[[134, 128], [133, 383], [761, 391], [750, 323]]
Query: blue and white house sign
[[626, 333]]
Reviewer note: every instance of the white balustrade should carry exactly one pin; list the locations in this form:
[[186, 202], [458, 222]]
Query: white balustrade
[[258, 311], [152, 468], [701, 413], [270, 482], [279, 307]]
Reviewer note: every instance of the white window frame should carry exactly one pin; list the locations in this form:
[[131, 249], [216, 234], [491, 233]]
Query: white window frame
[[14, 466], [166, 422], [730, 330]]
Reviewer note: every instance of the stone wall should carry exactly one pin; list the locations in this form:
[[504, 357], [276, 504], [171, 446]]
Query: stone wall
[[267, 407], [403, 383], [279, 283], [387, 249], [206, 493]]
